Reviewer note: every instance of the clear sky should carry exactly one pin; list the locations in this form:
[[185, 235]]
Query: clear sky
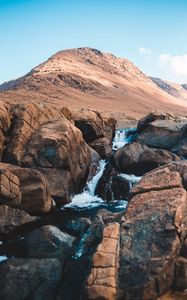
[[151, 33]]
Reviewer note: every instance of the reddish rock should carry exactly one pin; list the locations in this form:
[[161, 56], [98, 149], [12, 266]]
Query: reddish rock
[[26, 118], [180, 282], [152, 233], [35, 194], [4, 125], [90, 123], [102, 281], [162, 131], [9, 189], [102, 146]]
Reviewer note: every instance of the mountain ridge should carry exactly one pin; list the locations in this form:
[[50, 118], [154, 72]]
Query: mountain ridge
[[87, 77]]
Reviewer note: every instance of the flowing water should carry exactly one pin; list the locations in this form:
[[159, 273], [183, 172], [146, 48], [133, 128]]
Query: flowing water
[[87, 199]]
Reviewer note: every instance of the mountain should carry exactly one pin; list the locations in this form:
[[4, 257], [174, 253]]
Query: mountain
[[86, 77], [175, 89]]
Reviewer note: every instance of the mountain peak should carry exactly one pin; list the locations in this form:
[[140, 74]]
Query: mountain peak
[[87, 77]]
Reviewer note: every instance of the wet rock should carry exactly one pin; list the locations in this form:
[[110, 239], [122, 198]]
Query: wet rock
[[79, 226], [111, 186], [138, 159], [162, 131], [94, 163], [11, 219], [4, 125], [49, 241], [102, 281], [152, 233], [9, 189], [29, 278], [180, 282]]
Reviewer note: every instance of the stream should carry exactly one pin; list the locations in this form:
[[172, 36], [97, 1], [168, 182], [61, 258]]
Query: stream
[[86, 205]]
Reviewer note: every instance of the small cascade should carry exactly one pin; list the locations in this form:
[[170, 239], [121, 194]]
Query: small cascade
[[123, 137], [87, 198]]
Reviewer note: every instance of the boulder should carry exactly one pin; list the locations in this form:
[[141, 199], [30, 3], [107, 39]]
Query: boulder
[[162, 131], [35, 194], [49, 241], [4, 125], [152, 233], [138, 159], [11, 219], [90, 123], [59, 144], [98, 130], [111, 186], [102, 146], [26, 118], [9, 189], [29, 278]]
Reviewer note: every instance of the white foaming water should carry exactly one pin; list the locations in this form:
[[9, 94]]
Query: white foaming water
[[87, 198], [121, 138], [133, 179], [3, 258]]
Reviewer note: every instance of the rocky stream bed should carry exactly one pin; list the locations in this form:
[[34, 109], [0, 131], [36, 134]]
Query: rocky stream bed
[[88, 211]]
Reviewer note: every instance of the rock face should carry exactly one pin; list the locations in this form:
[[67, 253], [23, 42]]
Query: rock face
[[164, 132], [26, 118], [9, 189], [37, 278], [4, 126], [41, 137], [11, 219], [49, 241], [102, 281], [98, 130], [33, 188], [137, 159], [152, 233]]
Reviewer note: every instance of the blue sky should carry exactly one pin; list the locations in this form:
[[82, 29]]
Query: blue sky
[[151, 33]]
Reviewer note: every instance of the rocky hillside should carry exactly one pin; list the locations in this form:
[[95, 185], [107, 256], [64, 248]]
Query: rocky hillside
[[86, 77], [175, 89]]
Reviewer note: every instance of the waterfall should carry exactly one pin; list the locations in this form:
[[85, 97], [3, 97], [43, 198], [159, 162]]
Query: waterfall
[[122, 137], [87, 199]]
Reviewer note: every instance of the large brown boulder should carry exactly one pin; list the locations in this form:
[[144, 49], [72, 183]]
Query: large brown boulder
[[163, 131], [34, 189], [29, 278], [90, 123], [137, 159], [4, 125], [41, 137], [10, 193], [11, 219], [98, 130], [152, 233], [26, 118]]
